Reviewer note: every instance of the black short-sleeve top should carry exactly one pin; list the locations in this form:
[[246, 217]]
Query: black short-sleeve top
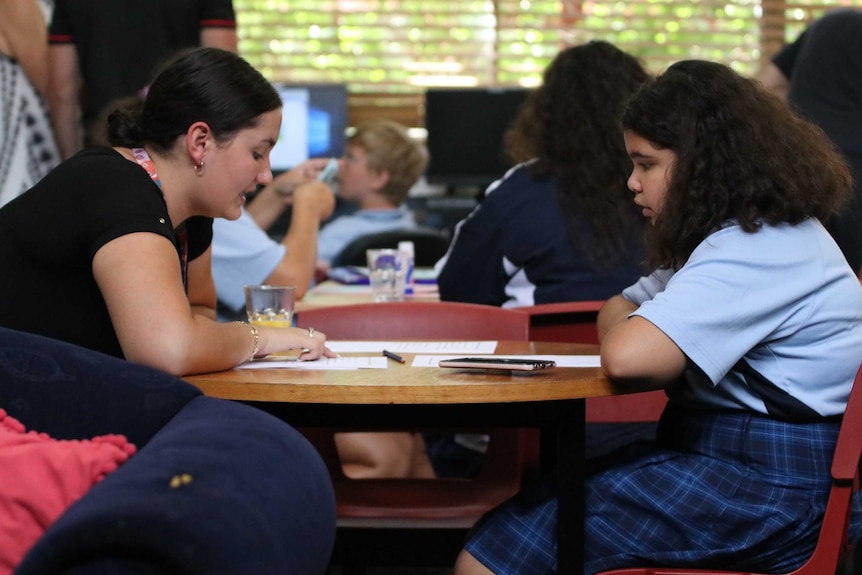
[[50, 234]]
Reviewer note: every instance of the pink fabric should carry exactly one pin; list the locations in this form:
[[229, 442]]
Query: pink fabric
[[40, 477]]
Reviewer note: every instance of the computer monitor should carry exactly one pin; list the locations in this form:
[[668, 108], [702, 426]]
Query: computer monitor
[[465, 133], [314, 119]]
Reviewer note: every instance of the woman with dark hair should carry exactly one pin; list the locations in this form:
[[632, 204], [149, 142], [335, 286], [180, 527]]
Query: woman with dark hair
[[753, 324], [560, 225], [111, 250]]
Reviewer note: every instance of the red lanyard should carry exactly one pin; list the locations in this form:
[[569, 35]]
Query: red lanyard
[[143, 158]]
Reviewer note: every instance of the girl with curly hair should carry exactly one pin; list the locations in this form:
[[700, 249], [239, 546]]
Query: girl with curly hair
[[560, 225], [752, 322]]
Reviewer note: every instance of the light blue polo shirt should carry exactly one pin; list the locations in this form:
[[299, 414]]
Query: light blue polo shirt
[[242, 254], [783, 299], [335, 236]]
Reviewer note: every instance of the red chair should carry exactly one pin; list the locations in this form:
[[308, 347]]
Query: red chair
[[573, 321], [832, 545], [576, 322], [426, 504]]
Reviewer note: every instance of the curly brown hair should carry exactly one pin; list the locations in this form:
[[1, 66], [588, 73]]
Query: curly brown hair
[[570, 125], [742, 156]]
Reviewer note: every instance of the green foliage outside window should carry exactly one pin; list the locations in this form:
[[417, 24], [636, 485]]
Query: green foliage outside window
[[401, 47]]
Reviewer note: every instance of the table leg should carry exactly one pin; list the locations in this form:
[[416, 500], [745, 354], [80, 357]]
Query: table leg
[[562, 437], [570, 483]]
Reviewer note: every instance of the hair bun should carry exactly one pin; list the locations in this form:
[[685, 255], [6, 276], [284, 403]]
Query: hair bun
[[124, 123]]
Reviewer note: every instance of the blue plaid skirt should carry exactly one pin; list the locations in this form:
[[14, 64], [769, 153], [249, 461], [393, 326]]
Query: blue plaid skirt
[[722, 490]]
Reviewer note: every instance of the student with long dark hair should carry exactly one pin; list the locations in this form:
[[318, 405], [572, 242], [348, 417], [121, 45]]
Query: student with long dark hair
[[560, 225], [752, 321]]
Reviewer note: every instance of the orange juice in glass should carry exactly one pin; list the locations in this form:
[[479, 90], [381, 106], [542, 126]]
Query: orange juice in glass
[[270, 306]]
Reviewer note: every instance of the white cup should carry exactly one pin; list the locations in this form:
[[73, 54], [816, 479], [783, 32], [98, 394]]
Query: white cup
[[387, 271], [270, 306]]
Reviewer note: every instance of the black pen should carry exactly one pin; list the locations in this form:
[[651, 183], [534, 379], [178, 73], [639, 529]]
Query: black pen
[[394, 356]]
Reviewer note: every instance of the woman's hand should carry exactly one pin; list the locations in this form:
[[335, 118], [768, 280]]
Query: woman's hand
[[311, 342]]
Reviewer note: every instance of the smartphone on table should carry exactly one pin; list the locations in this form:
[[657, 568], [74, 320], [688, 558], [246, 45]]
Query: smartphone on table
[[492, 362]]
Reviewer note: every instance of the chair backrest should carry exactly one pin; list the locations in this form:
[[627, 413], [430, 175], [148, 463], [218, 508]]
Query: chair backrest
[[425, 499], [418, 320], [832, 543], [575, 322], [429, 246]]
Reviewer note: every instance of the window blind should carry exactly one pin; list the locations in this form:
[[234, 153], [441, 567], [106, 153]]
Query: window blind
[[389, 51]]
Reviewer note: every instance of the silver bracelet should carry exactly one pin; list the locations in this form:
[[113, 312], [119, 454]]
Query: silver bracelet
[[255, 335]]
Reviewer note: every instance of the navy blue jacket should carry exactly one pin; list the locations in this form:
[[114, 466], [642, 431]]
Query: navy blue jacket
[[514, 250]]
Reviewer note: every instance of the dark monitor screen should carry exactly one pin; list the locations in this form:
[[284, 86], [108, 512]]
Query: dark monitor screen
[[465, 133], [314, 118]]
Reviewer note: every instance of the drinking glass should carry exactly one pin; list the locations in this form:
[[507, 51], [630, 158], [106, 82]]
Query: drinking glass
[[270, 306], [387, 271]]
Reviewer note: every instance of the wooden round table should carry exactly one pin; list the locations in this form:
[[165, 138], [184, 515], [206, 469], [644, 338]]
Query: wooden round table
[[404, 397]]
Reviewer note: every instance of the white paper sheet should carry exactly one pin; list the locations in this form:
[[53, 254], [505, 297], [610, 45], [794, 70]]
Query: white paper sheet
[[319, 364], [460, 347], [562, 360], [419, 360]]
